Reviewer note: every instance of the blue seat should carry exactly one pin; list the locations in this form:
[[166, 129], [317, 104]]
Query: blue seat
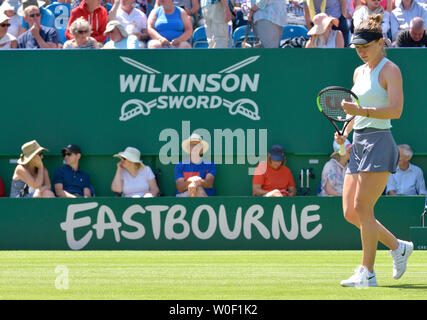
[[239, 36], [108, 6], [61, 35], [292, 31], [199, 38], [149, 8], [62, 12]]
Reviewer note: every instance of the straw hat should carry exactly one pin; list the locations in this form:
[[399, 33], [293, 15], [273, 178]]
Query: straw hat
[[29, 151], [131, 154], [321, 23], [194, 138]]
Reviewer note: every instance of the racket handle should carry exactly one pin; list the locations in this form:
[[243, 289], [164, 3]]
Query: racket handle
[[342, 150]]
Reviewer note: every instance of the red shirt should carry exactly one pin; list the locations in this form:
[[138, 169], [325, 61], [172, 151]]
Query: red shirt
[[2, 193], [97, 19], [271, 179]]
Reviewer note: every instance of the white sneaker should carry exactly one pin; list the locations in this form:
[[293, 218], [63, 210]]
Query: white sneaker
[[400, 257], [361, 278]]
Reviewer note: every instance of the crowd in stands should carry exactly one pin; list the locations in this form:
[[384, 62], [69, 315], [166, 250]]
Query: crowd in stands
[[194, 176], [137, 24]]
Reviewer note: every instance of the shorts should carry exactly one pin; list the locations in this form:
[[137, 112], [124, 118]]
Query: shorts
[[373, 150]]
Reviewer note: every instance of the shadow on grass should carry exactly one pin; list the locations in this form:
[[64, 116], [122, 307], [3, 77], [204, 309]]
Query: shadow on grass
[[407, 286]]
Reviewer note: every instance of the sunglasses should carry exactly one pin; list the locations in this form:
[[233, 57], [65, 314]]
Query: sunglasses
[[34, 15], [83, 31], [65, 154], [4, 24]]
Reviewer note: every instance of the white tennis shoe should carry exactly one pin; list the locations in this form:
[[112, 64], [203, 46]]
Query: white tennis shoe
[[361, 278], [400, 257]]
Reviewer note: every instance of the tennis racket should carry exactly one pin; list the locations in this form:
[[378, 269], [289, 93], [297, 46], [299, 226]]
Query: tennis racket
[[329, 103]]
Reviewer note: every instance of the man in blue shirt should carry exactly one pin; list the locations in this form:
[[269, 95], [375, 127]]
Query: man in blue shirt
[[47, 16], [37, 36], [69, 181], [408, 179], [194, 177]]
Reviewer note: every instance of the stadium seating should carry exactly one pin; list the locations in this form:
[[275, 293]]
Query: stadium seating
[[199, 38], [292, 31], [239, 36], [62, 14]]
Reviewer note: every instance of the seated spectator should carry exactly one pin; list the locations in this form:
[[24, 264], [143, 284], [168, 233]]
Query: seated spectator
[[38, 36], [322, 35], [169, 26], [416, 36], [47, 16], [133, 179], [132, 19], [372, 7], [408, 178], [81, 30], [402, 15], [69, 181], [15, 28], [95, 14], [7, 41], [333, 8], [120, 39], [334, 171], [191, 7], [30, 178], [272, 178], [195, 176], [268, 18]]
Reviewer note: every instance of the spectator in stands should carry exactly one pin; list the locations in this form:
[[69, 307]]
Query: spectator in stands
[[38, 36], [216, 15], [132, 19], [169, 26], [402, 15], [416, 36], [322, 35], [81, 30], [334, 171], [47, 16], [120, 39], [334, 8], [69, 181], [133, 179], [7, 41], [268, 18], [191, 7], [15, 28], [195, 176], [387, 5], [30, 178], [372, 7], [272, 178], [240, 13], [408, 178], [95, 14]]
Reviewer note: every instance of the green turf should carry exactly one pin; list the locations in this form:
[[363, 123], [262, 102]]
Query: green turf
[[200, 275]]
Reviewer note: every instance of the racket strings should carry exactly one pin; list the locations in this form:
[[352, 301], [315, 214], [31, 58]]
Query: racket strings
[[330, 101]]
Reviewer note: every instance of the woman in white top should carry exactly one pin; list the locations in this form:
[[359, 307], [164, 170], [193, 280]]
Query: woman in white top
[[374, 154], [133, 178], [15, 28], [322, 35], [7, 41], [334, 171]]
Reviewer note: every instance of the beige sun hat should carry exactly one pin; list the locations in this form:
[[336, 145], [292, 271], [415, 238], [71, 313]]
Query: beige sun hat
[[115, 24], [194, 138], [29, 151], [131, 154], [3, 17], [321, 23], [27, 3]]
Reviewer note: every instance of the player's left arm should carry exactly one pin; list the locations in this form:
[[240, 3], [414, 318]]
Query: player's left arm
[[390, 79]]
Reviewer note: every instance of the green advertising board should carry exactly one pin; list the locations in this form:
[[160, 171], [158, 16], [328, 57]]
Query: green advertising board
[[218, 223]]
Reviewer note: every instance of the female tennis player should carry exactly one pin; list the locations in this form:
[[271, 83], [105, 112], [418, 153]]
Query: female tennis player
[[374, 155]]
